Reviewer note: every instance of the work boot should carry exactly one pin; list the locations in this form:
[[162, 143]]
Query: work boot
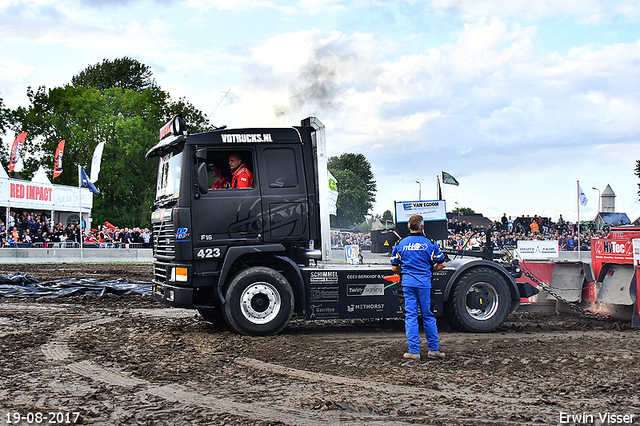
[[409, 355], [437, 354]]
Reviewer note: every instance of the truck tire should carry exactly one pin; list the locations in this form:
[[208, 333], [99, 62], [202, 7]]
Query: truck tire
[[259, 302], [480, 301]]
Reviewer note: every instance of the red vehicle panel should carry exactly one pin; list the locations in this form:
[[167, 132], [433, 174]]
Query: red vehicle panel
[[617, 247]]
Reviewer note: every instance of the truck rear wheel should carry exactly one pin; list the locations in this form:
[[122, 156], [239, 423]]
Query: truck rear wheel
[[480, 301], [259, 302]]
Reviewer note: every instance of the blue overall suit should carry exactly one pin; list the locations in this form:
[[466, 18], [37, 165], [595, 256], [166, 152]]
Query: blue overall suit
[[416, 254]]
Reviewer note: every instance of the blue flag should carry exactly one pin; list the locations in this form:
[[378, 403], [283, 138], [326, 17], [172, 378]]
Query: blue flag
[[86, 182]]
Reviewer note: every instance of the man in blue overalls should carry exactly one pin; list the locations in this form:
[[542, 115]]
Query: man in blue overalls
[[414, 257]]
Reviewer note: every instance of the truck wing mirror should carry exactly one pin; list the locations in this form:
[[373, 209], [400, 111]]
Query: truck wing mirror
[[201, 154], [203, 178]]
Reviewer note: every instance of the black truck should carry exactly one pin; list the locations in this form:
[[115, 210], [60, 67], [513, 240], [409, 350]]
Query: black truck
[[253, 256]]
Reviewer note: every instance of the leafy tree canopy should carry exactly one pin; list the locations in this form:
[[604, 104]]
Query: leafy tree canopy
[[463, 210], [359, 165], [127, 120], [356, 189], [125, 73], [387, 216]]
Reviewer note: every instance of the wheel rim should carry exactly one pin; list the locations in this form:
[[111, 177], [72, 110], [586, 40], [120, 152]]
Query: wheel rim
[[481, 301], [260, 303]]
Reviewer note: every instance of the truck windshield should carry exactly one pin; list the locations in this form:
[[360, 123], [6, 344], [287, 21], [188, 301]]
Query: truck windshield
[[169, 170]]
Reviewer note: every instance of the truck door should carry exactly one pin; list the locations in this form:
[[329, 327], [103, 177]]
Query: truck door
[[227, 215], [284, 198]]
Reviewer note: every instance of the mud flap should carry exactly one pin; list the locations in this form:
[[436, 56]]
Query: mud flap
[[616, 285], [568, 279], [527, 290]]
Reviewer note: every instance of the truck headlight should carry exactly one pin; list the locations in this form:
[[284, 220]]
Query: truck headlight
[[179, 274]]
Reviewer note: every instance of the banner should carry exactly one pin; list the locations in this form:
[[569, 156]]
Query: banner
[[86, 182], [95, 162], [57, 160], [429, 210], [448, 179], [538, 249], [333, 194], [15, 150], [352, 254]]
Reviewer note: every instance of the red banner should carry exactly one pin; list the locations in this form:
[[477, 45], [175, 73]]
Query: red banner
[[57, 161], [15, 150]]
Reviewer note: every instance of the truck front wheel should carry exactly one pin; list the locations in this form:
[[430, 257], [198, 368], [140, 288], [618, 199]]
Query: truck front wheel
[[259, 302], [480, 301]]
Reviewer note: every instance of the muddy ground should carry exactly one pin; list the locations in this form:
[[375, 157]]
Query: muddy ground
[[126, 360]]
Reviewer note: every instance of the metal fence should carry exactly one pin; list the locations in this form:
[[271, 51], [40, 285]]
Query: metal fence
[[72, 245]]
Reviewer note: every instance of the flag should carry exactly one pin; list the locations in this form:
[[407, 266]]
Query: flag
[[15, 150], [333, 194], [448, 179], [57, 160], [95, 162], [86, 182], [583, 198]]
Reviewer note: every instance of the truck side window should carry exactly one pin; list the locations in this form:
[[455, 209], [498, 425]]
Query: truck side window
[[284, 170], [221, 165]]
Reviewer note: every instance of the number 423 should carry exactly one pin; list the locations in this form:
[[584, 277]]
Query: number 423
[[207, 253]]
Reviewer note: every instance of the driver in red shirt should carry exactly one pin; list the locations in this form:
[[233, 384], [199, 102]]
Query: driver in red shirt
[[242, 176]]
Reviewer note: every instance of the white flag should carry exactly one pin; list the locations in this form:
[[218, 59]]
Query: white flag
[[95, 162], [583, 198], [333, 194]]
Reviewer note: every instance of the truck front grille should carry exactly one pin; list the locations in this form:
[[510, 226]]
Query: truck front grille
[[160, 272], [163, 239]]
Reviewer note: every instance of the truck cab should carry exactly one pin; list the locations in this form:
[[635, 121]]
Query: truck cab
[[247, 256]]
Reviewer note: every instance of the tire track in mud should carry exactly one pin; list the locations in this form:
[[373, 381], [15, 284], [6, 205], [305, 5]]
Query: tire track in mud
[[380, 387], [57, 351]]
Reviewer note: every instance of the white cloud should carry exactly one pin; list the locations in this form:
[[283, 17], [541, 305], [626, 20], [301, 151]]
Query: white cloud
[[589, 11], [235, 5], [491, 107]]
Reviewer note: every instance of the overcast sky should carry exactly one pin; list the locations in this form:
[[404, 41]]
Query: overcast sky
[[517, 99]]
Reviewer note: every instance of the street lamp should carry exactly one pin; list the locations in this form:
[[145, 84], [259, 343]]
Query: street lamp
[[599, 198], [419, 191]]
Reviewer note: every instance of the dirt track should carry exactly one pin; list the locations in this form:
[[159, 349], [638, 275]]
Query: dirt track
[[127, 360]]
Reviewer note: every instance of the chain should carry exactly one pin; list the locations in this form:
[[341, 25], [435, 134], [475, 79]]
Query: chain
[[579, 310]]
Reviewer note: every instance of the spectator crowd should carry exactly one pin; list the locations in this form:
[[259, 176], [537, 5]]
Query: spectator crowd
[[28, 229], [507, 232], [339, 239], [37, 230]]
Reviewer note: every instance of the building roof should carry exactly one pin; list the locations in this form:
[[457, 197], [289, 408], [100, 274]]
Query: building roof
[[614, 218], [608, 192], [476, 219]]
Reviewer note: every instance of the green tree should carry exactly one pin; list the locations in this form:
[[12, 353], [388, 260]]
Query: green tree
[[127, 120], [359, 165], [463, 210], [125, 73], [356, 189], [387, 216]]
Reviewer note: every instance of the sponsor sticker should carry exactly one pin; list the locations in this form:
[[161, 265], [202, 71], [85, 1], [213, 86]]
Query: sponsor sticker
[[365, 289]]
